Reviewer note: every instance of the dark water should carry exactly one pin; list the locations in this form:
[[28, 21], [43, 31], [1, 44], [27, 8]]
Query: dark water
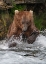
[[23, 53]]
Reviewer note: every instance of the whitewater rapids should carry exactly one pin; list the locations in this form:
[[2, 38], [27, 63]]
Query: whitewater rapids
[[23, 53]]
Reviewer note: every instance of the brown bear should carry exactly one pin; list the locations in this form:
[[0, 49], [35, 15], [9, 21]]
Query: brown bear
[[23, 23]]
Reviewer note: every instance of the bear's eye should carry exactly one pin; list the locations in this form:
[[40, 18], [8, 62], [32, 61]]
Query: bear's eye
[[27, 22], [22, 22]]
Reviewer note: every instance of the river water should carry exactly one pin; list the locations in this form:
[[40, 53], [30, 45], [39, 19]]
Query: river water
[[23, 53]]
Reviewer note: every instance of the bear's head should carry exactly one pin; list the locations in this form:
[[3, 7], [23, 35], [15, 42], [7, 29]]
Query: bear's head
[[24, 19]]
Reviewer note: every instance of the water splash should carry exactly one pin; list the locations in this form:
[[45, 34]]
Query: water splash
[[3, 45], [41, 40], [24, 53]]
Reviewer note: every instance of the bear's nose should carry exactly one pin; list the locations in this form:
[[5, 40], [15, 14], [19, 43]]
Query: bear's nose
[[24, 28]]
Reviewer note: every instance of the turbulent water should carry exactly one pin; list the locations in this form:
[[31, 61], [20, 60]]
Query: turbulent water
[[23, 53]]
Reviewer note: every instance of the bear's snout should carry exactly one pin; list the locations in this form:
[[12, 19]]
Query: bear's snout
[[24, 28]]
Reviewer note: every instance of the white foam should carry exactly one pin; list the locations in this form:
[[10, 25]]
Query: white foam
[[41, 40], [18, 59], [3, 45]]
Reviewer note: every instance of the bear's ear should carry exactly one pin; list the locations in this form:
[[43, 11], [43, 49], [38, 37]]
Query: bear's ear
[[31, 12], [16, 11]]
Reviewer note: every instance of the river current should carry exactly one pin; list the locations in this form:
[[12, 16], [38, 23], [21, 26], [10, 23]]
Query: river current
[[23, 53]]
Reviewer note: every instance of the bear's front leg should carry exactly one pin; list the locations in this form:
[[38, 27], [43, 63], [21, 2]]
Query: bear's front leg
[[32, 37], [12, 30]]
